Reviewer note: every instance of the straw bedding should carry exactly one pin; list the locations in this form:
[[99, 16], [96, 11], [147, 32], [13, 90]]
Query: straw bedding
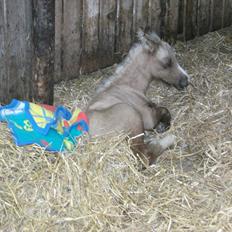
[[99, 188]]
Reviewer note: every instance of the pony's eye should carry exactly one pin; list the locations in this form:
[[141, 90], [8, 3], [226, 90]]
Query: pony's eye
[[167, 63]]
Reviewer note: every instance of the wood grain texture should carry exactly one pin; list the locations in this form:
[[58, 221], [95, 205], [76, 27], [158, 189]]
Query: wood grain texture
[[217, 17], [164, 18], [204, 16], [125, 26], [59, 23], [140, 15], [68, 45], [155, 15], [43, 42], [172, 19], [107, 27], [90, 35], [71, 41], [3, 74], [190, 19], [16, 81], [174, 14], [180, 26], [227, 17]]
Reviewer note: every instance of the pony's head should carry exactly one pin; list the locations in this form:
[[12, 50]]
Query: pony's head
[[162, 63]]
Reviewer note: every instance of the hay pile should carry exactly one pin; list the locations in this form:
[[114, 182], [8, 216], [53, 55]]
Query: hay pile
[[98, 187]]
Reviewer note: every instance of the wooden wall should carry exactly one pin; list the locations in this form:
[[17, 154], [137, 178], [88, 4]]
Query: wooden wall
[[27, 34], [15, 53], [91, 34]]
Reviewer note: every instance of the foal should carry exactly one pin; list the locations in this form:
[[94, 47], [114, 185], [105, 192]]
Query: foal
[[120, 104]]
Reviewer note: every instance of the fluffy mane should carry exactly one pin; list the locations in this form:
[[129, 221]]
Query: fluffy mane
[[107, 82]]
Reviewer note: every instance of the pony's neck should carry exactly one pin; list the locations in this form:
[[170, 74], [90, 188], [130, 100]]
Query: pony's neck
[[134, 72]]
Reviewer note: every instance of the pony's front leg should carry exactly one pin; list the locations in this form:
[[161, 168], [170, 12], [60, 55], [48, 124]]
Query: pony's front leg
[[164, 119], [157, 146]]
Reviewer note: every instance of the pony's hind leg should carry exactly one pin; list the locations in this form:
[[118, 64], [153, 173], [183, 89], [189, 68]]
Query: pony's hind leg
[[157, 146], [150, 148]]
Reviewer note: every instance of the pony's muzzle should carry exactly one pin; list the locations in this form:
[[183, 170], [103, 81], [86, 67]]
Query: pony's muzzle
[[183, 82]]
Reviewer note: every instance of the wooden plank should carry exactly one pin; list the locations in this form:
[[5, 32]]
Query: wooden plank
[[140, 15], [227, 16], [172, 19], [18, 50], [107, 24], [125, 26], [190, 19], [67, 39], [217, 17], [11, 54], [180, 19], [90, 35], [154, 15], [44, 40], [163, 17], [58, 65], [71, 39], [3, 75], [28, 49], [204, 16]]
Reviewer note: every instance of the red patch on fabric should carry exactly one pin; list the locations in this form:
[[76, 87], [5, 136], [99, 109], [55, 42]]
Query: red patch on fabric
[[82, 116], [45, 143], [66, 124], [48, 107], [79, 127]]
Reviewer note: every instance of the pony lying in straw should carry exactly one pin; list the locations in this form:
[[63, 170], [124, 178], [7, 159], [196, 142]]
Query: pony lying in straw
[[120, 104]]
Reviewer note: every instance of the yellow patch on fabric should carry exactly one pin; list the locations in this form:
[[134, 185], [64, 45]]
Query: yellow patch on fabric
[[40, 115]]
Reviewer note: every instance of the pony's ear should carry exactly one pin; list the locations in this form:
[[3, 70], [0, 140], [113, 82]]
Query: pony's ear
[[153, 37], [140, 35], [150, 41]]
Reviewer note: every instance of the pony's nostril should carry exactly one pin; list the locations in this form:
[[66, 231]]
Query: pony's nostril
[[183, 82]]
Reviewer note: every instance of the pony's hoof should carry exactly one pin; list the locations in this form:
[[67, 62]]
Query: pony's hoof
[[162, 127], [168, 141]]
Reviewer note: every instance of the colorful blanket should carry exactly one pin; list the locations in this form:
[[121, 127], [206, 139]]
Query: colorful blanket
[[56, 129]]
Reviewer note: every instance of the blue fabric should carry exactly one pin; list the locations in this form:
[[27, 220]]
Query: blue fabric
[[54, 136]]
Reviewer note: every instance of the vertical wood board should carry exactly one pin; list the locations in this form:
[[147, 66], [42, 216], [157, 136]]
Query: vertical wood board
[[71, 39], [163, 17], [180, 18], [107, 26], [227, 20], [43, 42], [90, 35], [204, 16], [172, 19], [125, 26], [3, 75], [17, 50], [59, 18], [190, 19], [154, 15], [217, 17], [140, 15]]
